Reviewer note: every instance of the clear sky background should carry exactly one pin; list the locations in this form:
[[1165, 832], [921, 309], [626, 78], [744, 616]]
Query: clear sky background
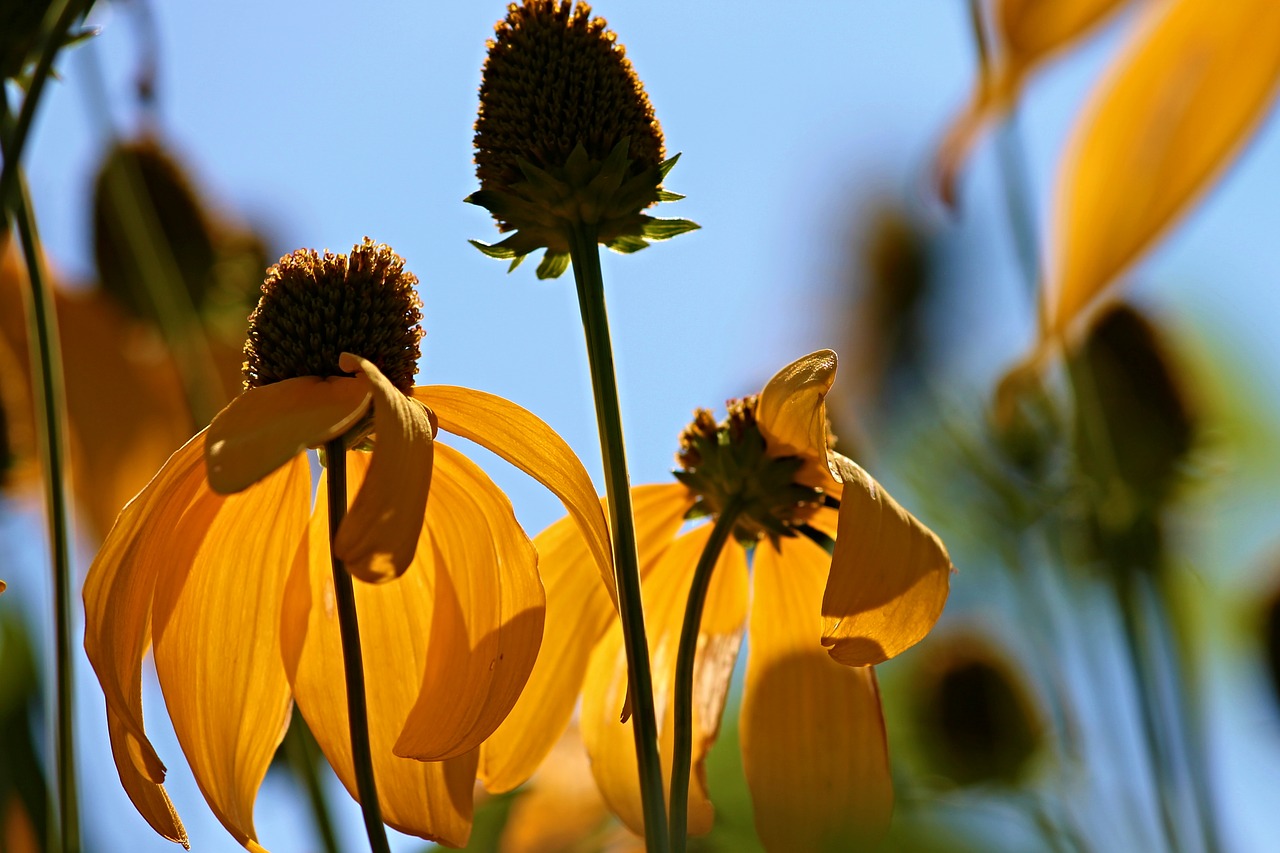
[[322, 124]]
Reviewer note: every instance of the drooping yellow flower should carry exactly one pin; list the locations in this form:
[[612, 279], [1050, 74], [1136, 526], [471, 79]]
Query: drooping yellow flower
[[813, 738], [222, 566]]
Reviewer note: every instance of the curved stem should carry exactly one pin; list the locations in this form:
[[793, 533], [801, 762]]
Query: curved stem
[[47, 380], [352, 661], [585, 254], [682, 749]]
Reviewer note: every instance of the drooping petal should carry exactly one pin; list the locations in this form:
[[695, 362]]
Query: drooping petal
[[562, 806], [609, 742], [432, 800], [378, 537], [578, 611], [524, 440], [792, 414], [487, 623], [1027, 33], [265, 427], [812, 732], [118, 602], [217, 637], [1177, 107], [889, 575]]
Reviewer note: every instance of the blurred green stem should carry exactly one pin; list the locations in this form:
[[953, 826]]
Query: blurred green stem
[[352, 659], [46, 368], [303, 756], [686, 657], [584, 252]]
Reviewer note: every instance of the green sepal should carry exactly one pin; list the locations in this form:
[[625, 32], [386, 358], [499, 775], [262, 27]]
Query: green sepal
[[627, 244], [667, 195], [553, 264], [665, 229], [666, 166], [497, 250]]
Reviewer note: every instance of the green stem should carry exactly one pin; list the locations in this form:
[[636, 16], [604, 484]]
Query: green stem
[[682, 750], [47, 380], [352, 660], [585, 254], [302, 754]]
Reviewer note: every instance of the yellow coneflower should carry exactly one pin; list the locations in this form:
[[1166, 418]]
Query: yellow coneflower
[[222, 565]]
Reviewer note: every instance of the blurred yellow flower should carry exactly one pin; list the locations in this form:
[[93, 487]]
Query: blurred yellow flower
[[223, 567], [813, 738]]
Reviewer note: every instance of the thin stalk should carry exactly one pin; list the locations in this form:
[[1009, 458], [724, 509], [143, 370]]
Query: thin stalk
[[584, 253], [352, 660], [302, 755], [47, 380], [682, 749]]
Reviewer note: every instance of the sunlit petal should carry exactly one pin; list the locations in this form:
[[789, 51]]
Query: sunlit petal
[[265, 427], [562, 807], [378, 537], [432, 800], [889, 575], [792, 414], [217, 640], [609, 742], [1197, 78], [813, 739], [118, 594], [578, 611], [521, 438], [489, 610], [150, 799]]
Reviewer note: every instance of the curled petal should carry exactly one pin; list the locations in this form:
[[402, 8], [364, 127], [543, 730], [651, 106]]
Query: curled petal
[[118, 598], [432, 800], [578, 612], [792, 413], [524, 440], [1174, 111], [610, 742], [265, 427], [889, 575], [379, 535], [217, 637], [812, 732], [488, 614]]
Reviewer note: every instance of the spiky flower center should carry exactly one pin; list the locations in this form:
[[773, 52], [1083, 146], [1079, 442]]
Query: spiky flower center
[[315, 307], [728, 463], [555, 78]]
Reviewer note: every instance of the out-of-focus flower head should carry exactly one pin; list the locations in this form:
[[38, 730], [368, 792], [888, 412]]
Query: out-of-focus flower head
[[566, 138], [222, 565], [812, 733]]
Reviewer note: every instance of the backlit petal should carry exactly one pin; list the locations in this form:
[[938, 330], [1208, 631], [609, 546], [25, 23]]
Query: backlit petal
[[524, 440], [428, 799], [889, 575], [1197, 78], [378, 537], [609, 742], [792, 414], [265, 427], [117, 597], [813, 738], [487, 623], [578, 611], [217, 637]]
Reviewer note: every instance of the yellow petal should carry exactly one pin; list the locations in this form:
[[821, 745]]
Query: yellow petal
[[813, 739], [428, 799], [609, 742], [217, 636], [578, 611], [562, 807], [792, 414], [524, 440], [118, 594], [487, 623], [378, 537], [889, 575], [265, 427], [1178, 106], [150, 799]]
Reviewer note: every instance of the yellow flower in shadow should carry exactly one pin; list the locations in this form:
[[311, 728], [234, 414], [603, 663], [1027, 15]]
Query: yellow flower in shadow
[[812, 733], [221, 564]]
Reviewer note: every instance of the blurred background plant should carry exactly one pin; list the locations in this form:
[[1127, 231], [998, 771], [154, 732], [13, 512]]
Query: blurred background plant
[[1105, 677]]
